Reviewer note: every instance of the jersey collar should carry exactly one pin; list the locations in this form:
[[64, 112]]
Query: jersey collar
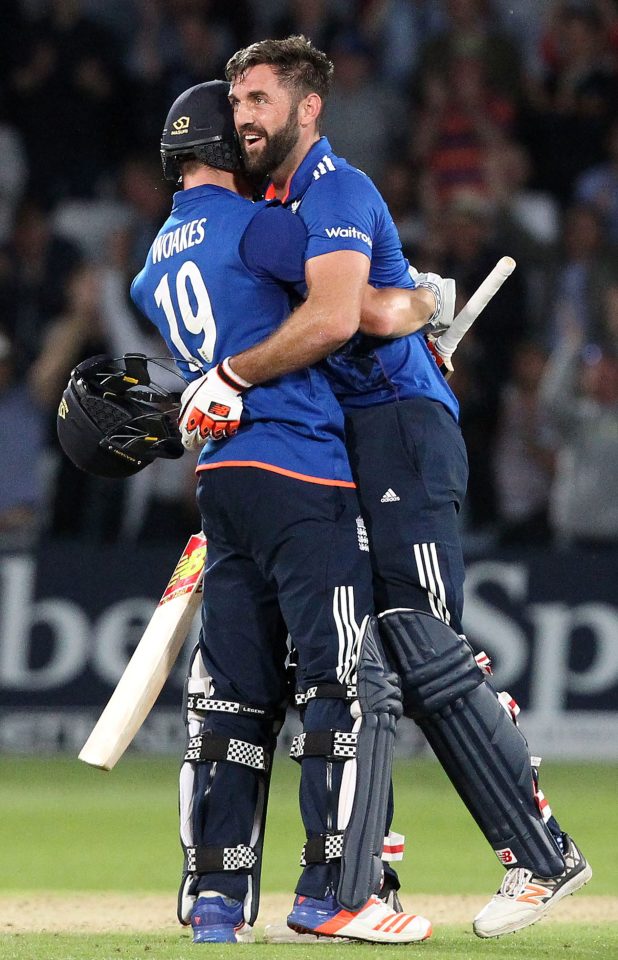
[[196, 193], [304, 173]]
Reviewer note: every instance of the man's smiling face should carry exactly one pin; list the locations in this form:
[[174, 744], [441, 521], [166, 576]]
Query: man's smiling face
[[266, 119]]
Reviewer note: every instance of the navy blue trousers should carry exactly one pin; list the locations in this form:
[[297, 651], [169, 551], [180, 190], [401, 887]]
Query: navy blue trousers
[[284, 556], [410, 463]]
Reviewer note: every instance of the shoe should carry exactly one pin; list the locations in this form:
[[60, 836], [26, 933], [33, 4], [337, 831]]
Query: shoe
[[524, 898], [391, 898], [216, 918], [375, 922], [281, 933]]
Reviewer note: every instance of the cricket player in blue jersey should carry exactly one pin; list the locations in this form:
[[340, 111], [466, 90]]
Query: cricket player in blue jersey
[[409, 460], [287, 553]]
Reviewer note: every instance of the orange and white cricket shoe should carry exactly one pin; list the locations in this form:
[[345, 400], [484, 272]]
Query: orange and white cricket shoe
[[524, 898], [375, 922]]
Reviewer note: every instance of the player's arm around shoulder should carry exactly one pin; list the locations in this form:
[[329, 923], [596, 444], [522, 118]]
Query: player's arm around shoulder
[[324, 322], [395, 312]]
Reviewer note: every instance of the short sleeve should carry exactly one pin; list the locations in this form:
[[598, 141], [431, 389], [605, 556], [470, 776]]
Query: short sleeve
[[273, 245], [341, 212]]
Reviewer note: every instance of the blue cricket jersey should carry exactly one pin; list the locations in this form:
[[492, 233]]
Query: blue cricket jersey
[[209, 301], [342, 210]]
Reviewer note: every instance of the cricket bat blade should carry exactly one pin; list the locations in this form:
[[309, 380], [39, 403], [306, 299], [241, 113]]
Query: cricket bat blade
[[151, 663]]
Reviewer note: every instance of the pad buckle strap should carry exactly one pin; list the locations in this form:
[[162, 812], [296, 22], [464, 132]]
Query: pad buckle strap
[[332, 744], [328, 846], [327, 691], [509, 704], [200, 704], [483, 662], [541, 800], [394, 845], [213, 859], [209, 746]]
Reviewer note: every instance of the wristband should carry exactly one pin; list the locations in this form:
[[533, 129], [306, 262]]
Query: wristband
[[231, 379]]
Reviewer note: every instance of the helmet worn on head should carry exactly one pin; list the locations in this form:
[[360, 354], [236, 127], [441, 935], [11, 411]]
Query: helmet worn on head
[[200, 124], [113, 420]]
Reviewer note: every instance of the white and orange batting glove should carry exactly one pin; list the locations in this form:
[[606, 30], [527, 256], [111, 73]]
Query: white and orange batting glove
[[211, 407]]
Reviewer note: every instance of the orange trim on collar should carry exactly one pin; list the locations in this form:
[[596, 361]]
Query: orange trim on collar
[[271, 193], [273, 469]]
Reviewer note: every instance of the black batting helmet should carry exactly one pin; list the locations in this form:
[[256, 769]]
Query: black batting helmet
[[200, 124], [113, 420]]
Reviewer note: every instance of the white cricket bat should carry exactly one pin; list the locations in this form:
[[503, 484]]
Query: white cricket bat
[[445, 345], [152, 661]]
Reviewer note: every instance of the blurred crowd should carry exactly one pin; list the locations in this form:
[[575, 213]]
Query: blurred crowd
[[491, 128]]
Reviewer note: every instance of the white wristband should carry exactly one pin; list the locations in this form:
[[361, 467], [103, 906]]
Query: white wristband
[[234, 377]]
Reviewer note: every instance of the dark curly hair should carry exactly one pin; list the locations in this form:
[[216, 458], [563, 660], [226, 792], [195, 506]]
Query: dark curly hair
[[296, 62]]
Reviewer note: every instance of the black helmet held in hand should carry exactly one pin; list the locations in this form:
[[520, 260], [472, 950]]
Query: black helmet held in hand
[[113, 420], [200, 124]]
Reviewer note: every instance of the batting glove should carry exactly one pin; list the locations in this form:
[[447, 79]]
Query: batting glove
[[444, 291], [211, 407]]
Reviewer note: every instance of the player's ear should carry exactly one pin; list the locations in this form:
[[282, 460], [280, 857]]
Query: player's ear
[[309, 109]]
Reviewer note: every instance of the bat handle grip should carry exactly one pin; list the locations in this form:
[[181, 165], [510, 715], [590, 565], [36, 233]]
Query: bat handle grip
[[444, 365]]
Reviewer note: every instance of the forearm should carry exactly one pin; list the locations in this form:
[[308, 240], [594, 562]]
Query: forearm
[[306, 337], [393, 312], [329, 317]]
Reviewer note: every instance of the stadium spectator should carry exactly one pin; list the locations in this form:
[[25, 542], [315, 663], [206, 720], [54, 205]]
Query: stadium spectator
[[609, 316], [460, 122], [145, 196], [599, 186], [20, 490], [66, 91], [34, 267], [396, 30], [311, 18], [76, 500], [468, 256], [524, 453], [203, 47], [362, 121], [524, 23], [580, 398], [400, 188], [571, 105], [527, 220], [471, 33], [68, 337], [14, 170], [578, 276]]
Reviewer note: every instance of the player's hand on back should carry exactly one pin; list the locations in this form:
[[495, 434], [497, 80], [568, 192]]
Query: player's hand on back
[[211, 407], [443, 288]]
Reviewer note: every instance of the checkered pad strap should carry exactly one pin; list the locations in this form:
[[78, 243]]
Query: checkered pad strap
[[332, 744], [214, 859], [327, 691], [199, 704], [328, 846], [209, 746]]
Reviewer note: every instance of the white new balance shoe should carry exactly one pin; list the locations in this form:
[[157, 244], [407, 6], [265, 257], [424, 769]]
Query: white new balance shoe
[[524, 898]]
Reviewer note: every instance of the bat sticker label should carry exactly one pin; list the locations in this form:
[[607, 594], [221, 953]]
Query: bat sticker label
[[188, 570]]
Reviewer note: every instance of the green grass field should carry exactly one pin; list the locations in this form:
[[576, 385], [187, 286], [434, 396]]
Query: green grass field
[[65, 827]]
